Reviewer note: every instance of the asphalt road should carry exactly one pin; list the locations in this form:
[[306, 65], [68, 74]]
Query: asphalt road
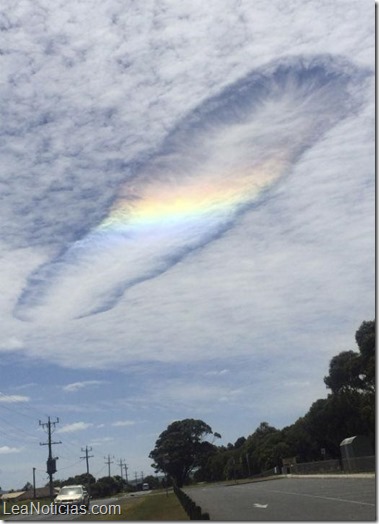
[[290, 499]]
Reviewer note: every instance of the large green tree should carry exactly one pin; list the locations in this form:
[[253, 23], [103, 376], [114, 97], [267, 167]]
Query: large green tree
[[352, 370], [365, 338], [181, 448]]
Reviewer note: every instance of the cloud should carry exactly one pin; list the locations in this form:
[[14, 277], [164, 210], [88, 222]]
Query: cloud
[[26, 386], [194, 394], [75, 426], [101, 441], [5, 450], [123, 423], [11, 344], [76, 386], [216, 373], [217, 163], [13, 399]]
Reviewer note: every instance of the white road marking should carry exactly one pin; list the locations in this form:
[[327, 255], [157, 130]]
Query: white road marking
[[321, 497], [260, 505]]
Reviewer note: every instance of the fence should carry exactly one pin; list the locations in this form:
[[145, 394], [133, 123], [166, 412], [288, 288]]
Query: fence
[[193, 510], [352, 465], [359, 464], [322, 466]]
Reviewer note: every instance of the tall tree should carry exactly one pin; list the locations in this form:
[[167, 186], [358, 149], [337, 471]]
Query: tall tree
[[181, 448], [365, 338], [344, 372], [350, 370]]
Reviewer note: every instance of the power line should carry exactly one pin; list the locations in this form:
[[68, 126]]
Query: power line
[[100, 470], [71, 465]]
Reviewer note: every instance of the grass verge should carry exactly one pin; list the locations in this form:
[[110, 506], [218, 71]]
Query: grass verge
[[150, 507]]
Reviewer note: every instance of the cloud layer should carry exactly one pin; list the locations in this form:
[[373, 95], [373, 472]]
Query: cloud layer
[[201, 176], [216, 164]]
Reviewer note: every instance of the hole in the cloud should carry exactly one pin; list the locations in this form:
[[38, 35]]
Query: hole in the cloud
[[215, 165]]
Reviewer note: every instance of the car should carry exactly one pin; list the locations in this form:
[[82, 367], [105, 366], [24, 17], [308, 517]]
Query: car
[[145, 486], [73, 496]]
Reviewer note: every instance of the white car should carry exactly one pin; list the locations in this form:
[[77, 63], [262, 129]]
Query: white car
[[73, 496]]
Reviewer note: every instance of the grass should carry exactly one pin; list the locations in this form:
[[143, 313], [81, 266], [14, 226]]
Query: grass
[[149, 507]]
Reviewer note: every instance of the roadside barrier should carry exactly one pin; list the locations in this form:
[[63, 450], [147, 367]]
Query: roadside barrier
[[193, 510]]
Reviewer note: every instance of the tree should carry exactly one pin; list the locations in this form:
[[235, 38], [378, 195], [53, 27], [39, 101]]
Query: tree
[[260, 445], [239, 442], [365, 338], [350, 370], [107, 486], [181, 448], [344, 372]]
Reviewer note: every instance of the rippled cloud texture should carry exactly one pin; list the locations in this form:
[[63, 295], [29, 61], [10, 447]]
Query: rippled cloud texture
[[187, 207]]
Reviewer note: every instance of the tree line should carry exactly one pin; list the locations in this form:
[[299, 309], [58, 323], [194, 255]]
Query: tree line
[[110, 485], [188, 446]]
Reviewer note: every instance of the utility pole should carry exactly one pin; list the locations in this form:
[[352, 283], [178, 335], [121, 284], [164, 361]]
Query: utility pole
[[126, 472], [86, 451], [109, 462], [51, 462], [34, 483], [121, 464]]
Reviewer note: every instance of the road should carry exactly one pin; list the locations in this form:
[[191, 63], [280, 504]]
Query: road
[[290, 499]]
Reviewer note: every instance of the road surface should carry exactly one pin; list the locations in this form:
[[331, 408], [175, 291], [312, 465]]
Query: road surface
[[290, 499]]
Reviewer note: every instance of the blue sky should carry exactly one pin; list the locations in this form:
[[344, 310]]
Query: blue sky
[[187, 218]]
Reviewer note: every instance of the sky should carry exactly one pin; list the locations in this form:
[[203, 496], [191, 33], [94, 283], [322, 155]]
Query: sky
[[187, 218]]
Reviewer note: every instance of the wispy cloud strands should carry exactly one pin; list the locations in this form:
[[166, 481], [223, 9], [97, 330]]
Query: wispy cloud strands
[[13, 399], [76, 386], [215, 165], [74, 427]]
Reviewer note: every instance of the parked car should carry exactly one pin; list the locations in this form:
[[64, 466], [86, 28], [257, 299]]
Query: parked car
[[73, 496]]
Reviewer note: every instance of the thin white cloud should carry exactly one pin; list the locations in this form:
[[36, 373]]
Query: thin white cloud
[[216, 373], [101, 441], [76, 386], [26, 386], [5, 450], [192, 394], [13, 399], [123, 423], [75, 426]]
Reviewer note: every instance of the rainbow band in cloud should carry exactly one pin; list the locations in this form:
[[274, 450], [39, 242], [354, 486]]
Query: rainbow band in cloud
[[219, 162], [168, 206]]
